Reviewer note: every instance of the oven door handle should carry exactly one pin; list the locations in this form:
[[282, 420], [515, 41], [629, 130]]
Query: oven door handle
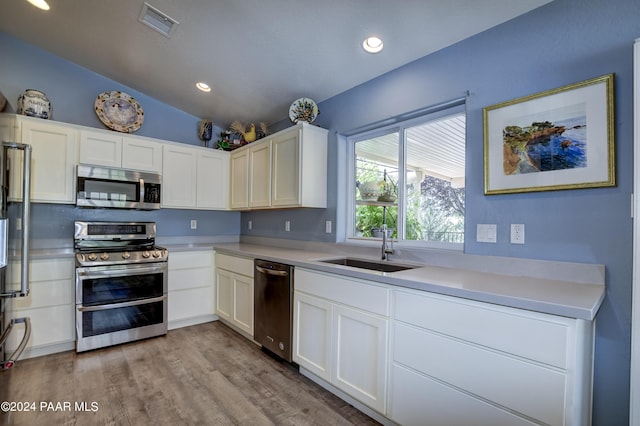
[[122, 304], [89, 273]]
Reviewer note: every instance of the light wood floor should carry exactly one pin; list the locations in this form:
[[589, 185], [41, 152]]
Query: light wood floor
[[200, 375]]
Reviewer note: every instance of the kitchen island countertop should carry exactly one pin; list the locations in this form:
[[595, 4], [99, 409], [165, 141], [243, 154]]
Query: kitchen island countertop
[[578, 298]]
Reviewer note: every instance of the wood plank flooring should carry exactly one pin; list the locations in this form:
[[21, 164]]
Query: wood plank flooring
[[201, 375]]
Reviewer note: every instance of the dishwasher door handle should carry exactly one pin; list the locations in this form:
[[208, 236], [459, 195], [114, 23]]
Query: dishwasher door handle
[[272, 272]]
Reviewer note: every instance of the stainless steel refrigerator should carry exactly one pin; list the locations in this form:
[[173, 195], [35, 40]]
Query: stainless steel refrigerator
[[14, 212]]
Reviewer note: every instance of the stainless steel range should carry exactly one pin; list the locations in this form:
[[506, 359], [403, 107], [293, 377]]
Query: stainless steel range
[[121, 283]]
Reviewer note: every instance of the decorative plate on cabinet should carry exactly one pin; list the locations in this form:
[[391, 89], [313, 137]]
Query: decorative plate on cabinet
[[119, 111], [303, 109]]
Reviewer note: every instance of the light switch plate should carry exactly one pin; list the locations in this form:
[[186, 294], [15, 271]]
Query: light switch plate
[[486, 232]]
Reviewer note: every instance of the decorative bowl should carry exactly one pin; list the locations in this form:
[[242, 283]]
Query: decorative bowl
[[369, 191]]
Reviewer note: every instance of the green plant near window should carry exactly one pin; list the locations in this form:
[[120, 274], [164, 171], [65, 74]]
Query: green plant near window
[[370, 217]]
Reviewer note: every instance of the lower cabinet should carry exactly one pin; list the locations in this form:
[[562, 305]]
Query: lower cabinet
[[191, 295], [460, 362], [50, 306], [341, 331], [234, 292]]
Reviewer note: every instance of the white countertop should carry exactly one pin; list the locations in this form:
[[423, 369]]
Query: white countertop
[[580, 298]]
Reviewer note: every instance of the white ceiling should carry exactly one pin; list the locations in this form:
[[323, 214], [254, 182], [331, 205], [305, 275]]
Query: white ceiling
[[257, 55]]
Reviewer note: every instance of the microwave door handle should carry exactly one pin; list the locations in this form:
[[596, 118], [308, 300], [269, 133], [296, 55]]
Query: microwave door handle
[[122, 304], [141, 200]]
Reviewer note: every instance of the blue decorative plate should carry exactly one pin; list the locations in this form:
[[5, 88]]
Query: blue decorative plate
[[303, 109], [119, 111]]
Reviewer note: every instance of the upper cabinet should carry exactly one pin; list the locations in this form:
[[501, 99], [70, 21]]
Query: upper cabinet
[[194, 178], [284, 170], [111, 149], [53, 159]]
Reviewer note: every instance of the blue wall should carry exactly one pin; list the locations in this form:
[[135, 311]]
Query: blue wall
[[564, 42], [72, 91]]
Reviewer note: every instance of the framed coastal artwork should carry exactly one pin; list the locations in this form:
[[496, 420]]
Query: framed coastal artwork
[[558, 139]]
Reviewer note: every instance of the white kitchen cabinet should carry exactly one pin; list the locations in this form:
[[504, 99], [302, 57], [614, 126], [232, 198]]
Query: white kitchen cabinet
[[457, 361], [53, 160], [100, 148], [260, 174], [179, 176], [341, 329], [50, 306], [234, 292], [104, 148], [194, 178], [212, 180], [239, 187], [286, 169], [191, 285]]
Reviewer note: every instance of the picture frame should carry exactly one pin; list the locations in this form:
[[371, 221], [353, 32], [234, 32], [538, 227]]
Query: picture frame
[[553, 140]]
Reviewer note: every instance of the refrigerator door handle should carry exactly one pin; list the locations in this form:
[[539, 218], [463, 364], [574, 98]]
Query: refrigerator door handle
[[10, 362], [26, 220]]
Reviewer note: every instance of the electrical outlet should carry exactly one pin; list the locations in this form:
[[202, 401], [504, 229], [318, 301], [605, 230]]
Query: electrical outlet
[[287, 225], [194, 224], [18, 224], [250, 225], [517, 233], [327, 227]]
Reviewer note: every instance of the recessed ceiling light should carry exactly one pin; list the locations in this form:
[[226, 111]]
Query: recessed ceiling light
[[203, 86], [40, 4], [372, 44]]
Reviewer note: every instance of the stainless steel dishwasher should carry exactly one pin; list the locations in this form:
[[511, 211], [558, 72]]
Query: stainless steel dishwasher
[[273, 307]]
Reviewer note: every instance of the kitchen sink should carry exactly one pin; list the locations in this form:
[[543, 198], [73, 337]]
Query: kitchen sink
[[371, 265]]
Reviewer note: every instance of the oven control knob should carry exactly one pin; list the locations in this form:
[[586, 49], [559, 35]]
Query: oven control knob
[[146, 254], [104, 256], [156, 254], [82, 257], [126, 255], [93, 256]]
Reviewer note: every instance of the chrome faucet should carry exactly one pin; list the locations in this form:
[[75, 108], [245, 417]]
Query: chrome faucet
[[386, 251]]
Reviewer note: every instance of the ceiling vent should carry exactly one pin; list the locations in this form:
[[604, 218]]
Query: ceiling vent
[[157, 20]]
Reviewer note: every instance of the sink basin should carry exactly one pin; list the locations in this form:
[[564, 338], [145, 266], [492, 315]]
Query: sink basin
[[371, 265]]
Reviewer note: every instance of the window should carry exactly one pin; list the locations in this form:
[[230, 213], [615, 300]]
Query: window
[[411, 177]]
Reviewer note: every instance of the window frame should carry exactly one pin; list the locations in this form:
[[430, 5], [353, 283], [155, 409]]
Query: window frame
[[350, 193]]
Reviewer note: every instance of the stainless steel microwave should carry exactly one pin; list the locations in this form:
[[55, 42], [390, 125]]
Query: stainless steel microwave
[[117, 188]]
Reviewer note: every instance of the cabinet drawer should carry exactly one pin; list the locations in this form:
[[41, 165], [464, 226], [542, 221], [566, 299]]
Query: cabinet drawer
[[348, 291], [530, 389], [190, 303], [531, 335], [190, 278], [239, 265], [44, 270], [46, 293], [48, 326], [417, 399], [191, 259]]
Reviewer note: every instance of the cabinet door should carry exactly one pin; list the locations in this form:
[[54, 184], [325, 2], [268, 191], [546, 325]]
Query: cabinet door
[[360, 351], [285, 173], [239, 197], [224, 294], [53, 161], [100, 148], [312, 334], [243, 303], [213, 180], [260, 175], [178, 177], [141, 154]]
